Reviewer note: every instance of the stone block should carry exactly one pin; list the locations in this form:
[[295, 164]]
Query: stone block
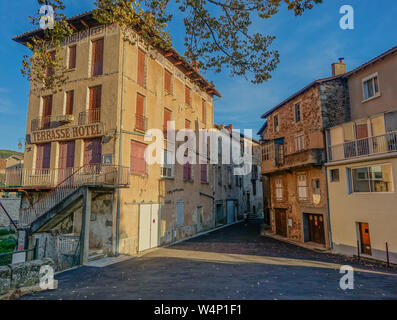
[[27, 274], [5, 279]]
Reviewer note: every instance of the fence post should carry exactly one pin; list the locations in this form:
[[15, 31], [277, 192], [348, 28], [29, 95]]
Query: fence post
[[36, 249]]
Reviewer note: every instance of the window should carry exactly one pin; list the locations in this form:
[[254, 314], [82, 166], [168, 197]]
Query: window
[[220, 175], [371, 87], [204, 172], [188, 96], [167, 168], [187, 167], [43, 157], [275, 120], [203, 111], [180, 214], [72, 57], [167, 117], [141, 78], [140, 120], [167, 81], [297, 113], [50, 71], [97, 58], [137, 160], [334, 173], [92, 151], [279, 189], [94, 113], [267, 151], [302, 187], [69, 102], [47, 112], [299, 143], [372, 179], [316, 186]]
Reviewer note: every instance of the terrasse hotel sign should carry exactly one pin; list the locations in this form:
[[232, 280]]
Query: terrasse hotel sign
[[68, 133]]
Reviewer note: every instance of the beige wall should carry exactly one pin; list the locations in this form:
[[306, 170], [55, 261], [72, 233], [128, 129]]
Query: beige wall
[[387, 77], [377, 209]]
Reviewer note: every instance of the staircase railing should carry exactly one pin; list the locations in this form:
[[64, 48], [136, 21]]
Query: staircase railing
[[96, 174]]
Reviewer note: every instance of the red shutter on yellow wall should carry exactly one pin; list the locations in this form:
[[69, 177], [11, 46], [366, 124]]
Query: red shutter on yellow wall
[[46, 155], [140, 102], [167, 117], [39, 156], [141, 68], [137, 160], [204, 111], [47, 106], [95, 97], [69, 102], [167, 81], [187, 95], [97, 57], [72, 57]]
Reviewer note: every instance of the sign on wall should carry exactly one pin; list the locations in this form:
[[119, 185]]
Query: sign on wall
[[68, 133]]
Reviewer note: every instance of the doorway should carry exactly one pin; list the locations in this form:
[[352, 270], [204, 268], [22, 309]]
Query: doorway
[[315, 223], [281, 222], [230, 211], [365, 240], [149, 215]]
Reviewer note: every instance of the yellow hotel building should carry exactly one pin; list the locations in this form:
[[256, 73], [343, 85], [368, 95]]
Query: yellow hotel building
[[87, 190]]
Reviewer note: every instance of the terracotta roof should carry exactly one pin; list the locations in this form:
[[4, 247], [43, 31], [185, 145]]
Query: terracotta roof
[[80, 21], [320, 81]]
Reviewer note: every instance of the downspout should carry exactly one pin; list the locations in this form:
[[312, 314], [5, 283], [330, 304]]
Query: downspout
[[326, 189], [120, 152]]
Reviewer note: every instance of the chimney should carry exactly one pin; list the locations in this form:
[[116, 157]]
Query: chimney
[[229, 128], [338, 68]]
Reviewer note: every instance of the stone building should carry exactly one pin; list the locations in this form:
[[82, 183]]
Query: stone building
[[362, 164], [87, 187], [293, 157]]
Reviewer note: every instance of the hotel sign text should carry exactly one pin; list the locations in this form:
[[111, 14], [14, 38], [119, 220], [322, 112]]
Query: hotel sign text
[[68, 133]]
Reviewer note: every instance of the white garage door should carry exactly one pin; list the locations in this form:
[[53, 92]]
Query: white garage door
[[148, 226]]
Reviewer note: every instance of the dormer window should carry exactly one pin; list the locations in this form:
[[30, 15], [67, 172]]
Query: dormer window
[[371, 87]]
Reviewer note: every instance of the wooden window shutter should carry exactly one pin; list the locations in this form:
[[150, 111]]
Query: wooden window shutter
[[137, 160], [69, 102], [204, 111], [46, 156], [39, 156], [187, 95], [92, 151], [70, 154], [167, 81], [97, 57], [203, 172], [47, 106], [140, 101], [72, 57], [141, 68], [167, 117], [95, 97]]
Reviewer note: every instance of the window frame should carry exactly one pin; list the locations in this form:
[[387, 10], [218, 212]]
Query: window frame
[[368, 167], [366, 80], [278, 183], [171, 91], [332, 176], [75, 57], [298, 111], [300, 142], [299, 187]]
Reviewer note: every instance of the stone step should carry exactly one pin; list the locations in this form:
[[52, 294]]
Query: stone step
[[95, 251], [96, 257]]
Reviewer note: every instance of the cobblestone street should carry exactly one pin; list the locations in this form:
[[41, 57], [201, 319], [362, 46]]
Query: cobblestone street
[[235, 262]]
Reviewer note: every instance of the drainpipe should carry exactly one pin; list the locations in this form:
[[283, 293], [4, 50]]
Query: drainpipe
[[326, 189], [120, 152]]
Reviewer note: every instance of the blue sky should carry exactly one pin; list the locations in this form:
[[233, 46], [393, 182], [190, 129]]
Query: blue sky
[[307, 45]]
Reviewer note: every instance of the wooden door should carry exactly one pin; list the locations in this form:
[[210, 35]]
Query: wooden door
[[92, 151], [281, 222], [66, 159], [365, 239], [94, 113], [144, 226], [47, 112], [316, 228]]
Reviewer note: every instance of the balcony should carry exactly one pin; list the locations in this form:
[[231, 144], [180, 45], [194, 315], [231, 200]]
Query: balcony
[[90, 116], [140, 122], [310, 157], [43, 123], [93, 174], [366, 147]]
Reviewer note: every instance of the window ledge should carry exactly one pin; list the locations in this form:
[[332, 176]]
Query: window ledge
[[167, 178], [71, 69], [372, 98]]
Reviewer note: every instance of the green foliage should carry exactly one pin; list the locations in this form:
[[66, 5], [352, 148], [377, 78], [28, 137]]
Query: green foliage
[[8, 244], [8, 153], [218, 34]]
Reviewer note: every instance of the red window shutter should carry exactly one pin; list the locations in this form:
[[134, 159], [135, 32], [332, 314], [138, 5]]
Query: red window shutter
[[167, 117], [95, 104], [203, 172], [72, 57], [97, 57], [137, 160], [46, 156], [141, 68], [92, 151], [140, 101], [167, 81], [187, 95], [69, 102], [204, 111], [39, 156], [47, 106], [70, 154]]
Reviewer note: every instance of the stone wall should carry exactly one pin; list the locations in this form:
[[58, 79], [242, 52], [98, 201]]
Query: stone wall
[[22, 275], [12, 205]]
